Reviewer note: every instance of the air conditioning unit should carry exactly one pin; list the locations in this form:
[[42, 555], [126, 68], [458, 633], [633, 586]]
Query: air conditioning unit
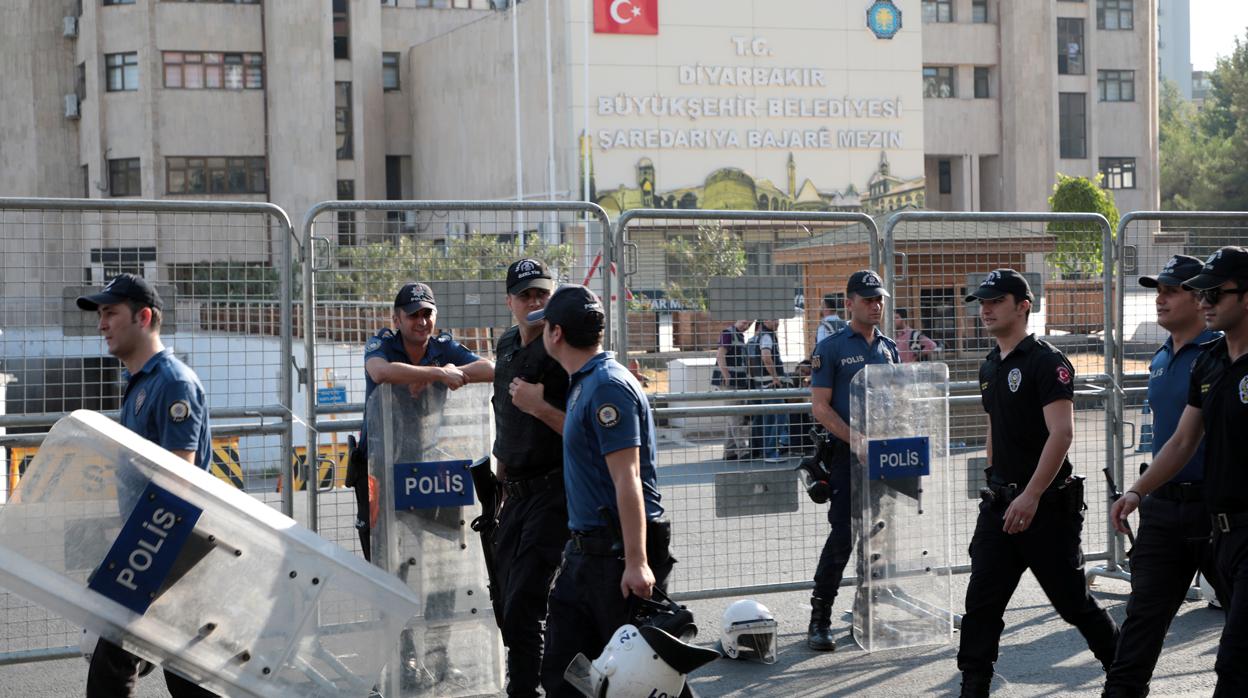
[[71, 106], [69, 27]]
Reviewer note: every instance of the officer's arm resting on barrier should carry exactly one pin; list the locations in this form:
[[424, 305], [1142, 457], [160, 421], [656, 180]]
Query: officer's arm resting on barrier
[[624, 466], [1174, 455], [1059, 418], [395, 373], [188, 456], [530, 399], [821, 407], [479, 371]]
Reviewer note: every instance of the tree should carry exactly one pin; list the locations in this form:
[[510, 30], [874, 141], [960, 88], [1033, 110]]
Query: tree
[[1080, 252], [713, 251]]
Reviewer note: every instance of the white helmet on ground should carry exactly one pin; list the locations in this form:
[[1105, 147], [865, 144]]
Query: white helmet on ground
[[642, 661], [749, 632]]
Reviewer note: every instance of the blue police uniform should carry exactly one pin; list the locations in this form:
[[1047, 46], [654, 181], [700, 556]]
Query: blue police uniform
[[607, 412], [837, 359], [1173, 541], [165, 403]]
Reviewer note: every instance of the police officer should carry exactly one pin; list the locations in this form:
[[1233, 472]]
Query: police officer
[[530, 391], [732, 373], [1173, 541], [164, 403], [412, 354], [1217, 405], [619, 545], [836, 361], [831, 323], [1031, 516]]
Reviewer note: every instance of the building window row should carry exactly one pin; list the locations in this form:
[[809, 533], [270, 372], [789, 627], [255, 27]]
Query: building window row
[[938, 82], [215, 175], [1072, 124], [390, 72], [118, 2], [1116, 85], [220, 2], [1117, 173], [343, 120], [187, 70], [121, 71], [123, 177], [1069, 46], [941, 11], [1115, 14]]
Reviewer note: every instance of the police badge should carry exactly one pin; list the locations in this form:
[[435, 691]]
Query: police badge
[[1015, 379]]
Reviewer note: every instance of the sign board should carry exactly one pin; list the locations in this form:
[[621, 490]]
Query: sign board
[[432, 485], [891, 459], [336, 395]]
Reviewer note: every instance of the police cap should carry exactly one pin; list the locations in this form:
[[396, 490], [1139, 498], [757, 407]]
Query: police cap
[[123, 287]]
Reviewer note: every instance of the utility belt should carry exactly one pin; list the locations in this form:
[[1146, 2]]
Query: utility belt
[[532, 485], [1226, 521], [606, 541], [1067, 496], [1181, 492]]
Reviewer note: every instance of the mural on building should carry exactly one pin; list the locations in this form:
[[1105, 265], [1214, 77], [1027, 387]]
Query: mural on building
[[732, 188]]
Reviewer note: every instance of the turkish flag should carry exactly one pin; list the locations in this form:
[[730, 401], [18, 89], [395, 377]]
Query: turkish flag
[[626, 16]]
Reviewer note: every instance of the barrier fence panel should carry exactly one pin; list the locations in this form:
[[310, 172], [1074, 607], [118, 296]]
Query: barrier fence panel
[[1067, 258], [740, 518], [362, 252], [224, 271], [1146, 242]]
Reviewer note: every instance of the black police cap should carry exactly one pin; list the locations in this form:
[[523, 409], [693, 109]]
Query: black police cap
[[123, 287], [525, 274], [1000, 282], [1179, 269], [414, 296], [1222, 266], [867, 284], [574, 308]]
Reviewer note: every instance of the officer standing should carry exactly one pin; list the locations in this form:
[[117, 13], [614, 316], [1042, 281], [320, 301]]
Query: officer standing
[[1173, 540], [830, 323], [619, 544], [411, 354], [1217, 405], [732, 373], [836, 361], [164, 403], [530, 392], [1032, 514]]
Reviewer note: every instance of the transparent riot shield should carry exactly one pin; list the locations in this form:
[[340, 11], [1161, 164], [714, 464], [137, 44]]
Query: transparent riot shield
[[899, 415], [420, 447], [157, 556]]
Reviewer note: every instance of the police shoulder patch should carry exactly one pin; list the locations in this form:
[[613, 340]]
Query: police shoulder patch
[[608, 415], [1063, 375], [1243, 390], [179, 410], [372, 345], [816, 362], [444, 337]]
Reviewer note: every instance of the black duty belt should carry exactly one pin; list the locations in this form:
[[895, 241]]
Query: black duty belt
[[1182, 492], [532, 485], [1225, 521], [599, 541], [1004, 494]]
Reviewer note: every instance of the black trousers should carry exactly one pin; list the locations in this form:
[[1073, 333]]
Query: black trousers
[[1230, 550], [1171, 546], [840, 543], [114, 673], [586, 607], [528, 542], [1050, 547]]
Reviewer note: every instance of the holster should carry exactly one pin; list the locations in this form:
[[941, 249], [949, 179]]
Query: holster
[[357, 463], [1070, 494]]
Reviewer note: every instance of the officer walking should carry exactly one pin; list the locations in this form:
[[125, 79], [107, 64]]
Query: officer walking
[[836, 361], [164, 403], [1032, 514], [1172, 543], [1217, 405], [732, 373], [411, 354], [530, 392], [619, 545]]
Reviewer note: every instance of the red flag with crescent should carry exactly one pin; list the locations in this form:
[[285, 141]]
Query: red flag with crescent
[[626, 16]]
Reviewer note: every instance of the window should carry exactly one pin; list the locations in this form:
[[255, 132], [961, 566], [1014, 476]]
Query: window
[[118, 2], [222, 2], [390, 71], [944, 169], [938, 82], [1115, 14], [123, 177], [981, 83], [389, 3], [121, 71], [342, 119], [215, 175], [937, 10], [458, 4], [346, 219], [191, 70], [80, 82], [342, 30], [1072, 124], [1069, 46], [1117, 173], [86, 182], [109, 262], [979, 11], [1116, 85]]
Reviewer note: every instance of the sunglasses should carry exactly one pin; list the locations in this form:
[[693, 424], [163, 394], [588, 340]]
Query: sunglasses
[[1213, 295]]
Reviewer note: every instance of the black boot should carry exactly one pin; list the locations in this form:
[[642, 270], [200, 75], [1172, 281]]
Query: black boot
[[975, 686], [819, 634]]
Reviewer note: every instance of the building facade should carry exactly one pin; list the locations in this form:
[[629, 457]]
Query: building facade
[[1174, 44]]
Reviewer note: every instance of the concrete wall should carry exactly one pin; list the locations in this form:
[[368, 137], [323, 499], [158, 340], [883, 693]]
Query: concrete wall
[[1174, 34]]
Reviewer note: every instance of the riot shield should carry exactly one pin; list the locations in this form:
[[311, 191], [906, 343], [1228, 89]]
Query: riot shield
[[899, 416], [420, 447], [126, 539]]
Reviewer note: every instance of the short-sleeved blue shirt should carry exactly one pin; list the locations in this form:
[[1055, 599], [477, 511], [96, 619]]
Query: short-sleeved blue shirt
[[1168, 380], [839, 357], [607, 411], [165, 403], [388, 344]]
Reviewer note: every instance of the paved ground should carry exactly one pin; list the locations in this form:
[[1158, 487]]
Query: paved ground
[[1041, 656]]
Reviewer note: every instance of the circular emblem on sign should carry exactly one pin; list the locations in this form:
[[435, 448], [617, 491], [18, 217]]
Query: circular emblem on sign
[[1243, 390], [884, 19], [179, 410], [1015, 379], [140, 399], [1063, 375], [608, 415]]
